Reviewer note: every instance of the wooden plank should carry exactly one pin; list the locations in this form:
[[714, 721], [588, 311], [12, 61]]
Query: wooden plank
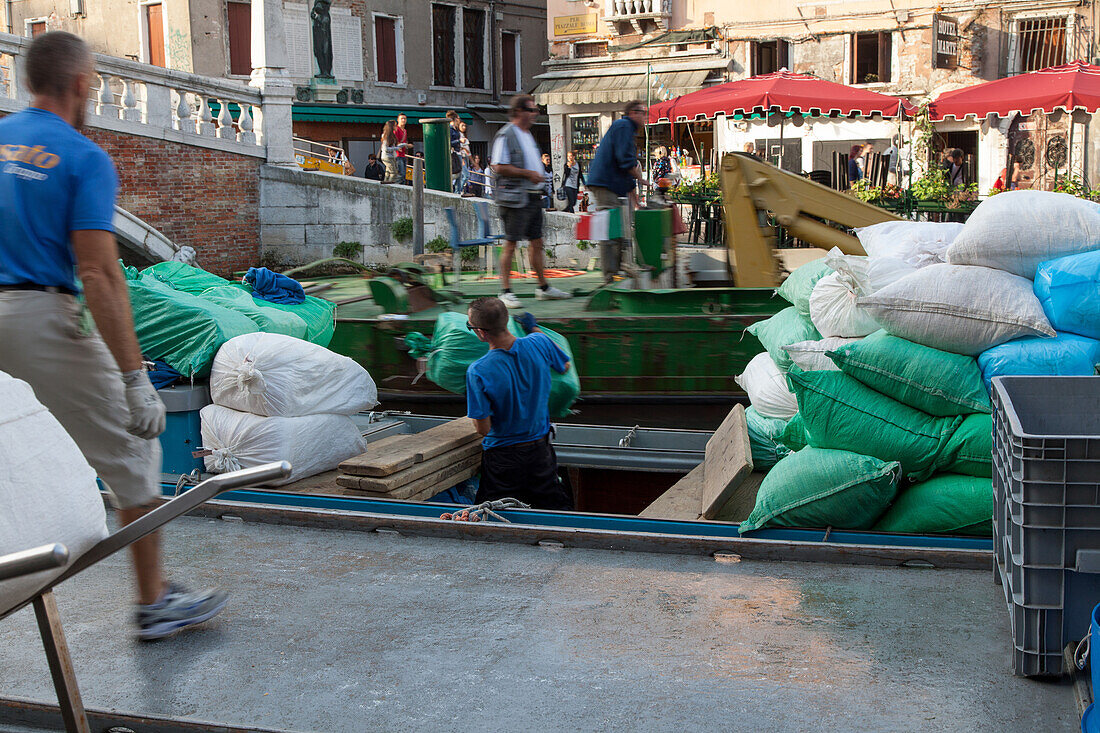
[[728, 462], [682, 499], [743, 500], [60, 663], [420, 447], [386, 484], [429, 485]]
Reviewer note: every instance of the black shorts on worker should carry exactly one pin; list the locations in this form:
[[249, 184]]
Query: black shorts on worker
[[525, 471], [523, 222]]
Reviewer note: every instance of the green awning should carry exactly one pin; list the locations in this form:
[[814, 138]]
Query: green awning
[[673, 38], [312, 112]]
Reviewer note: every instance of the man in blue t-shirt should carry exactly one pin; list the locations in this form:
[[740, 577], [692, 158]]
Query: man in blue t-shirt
[[57, 197], [506, 396]]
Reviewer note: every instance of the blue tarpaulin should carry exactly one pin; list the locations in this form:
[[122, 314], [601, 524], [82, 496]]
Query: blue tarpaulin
[[273, 287]]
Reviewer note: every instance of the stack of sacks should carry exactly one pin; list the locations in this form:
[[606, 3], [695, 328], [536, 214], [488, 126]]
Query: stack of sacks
[[1053, 239], [280, 398], [887, 429]]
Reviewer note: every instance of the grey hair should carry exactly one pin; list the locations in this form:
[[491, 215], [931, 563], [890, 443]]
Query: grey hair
[[54, 60]]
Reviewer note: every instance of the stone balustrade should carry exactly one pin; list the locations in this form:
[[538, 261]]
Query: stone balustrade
[[626, 9], [138, 98]]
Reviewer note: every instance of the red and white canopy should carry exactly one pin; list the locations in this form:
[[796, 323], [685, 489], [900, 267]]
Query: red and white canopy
[[782, 91], [1071, 86]]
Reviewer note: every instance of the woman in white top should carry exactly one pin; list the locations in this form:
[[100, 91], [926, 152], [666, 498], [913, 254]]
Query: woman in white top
[[389, 152]]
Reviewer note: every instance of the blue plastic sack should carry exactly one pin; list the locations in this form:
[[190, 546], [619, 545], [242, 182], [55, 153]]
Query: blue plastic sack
[[274, 287], [1065, 355], [1069, 289]]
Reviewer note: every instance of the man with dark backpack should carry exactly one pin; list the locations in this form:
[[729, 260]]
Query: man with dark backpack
[[518, 190]]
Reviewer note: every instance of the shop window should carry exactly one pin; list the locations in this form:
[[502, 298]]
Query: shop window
[[769, 56], [387, 63], [584, 137], [871, 57], [1040, 42], [443, 45], [239, 26], [473, 45], [589, 49], [509, 61]]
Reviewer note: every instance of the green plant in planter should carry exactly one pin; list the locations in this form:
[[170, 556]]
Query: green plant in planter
[[402, 228], [442, 244], [932, 186], [348, 250]]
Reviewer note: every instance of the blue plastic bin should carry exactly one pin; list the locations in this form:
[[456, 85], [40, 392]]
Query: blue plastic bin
[[181, 436]]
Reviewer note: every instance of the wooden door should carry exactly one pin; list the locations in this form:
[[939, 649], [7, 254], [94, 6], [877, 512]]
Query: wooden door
[[240, 38], [154, 28]]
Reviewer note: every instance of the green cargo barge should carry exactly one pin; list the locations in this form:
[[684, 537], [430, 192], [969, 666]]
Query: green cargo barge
[[683, 342]]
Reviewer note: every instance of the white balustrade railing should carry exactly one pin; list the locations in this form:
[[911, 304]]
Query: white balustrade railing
[[626, 9], [146, 95]]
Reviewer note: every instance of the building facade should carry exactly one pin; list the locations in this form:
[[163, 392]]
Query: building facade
[[605, 52], [387, 56]]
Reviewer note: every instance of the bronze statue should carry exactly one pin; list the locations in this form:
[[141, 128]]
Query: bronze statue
[[322, 38]]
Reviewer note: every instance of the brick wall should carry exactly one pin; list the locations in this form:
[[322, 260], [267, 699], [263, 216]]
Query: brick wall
[[202, 198]]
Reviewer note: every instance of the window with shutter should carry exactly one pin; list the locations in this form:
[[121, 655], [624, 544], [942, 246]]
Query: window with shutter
[[240, 38], [509, 62], [385, 39], [443, 45]]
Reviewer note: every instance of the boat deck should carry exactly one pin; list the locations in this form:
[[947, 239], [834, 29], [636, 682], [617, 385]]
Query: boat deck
[[347, 631]]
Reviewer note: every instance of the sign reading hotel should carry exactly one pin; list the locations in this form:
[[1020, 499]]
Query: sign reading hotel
[[571, 25], [945, 42]]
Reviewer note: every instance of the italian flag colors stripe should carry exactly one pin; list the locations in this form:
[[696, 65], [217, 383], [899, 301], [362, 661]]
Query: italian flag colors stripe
[[598, 226]]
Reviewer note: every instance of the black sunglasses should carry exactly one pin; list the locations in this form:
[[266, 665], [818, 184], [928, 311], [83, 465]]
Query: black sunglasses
[[472, 327], [531, 109]]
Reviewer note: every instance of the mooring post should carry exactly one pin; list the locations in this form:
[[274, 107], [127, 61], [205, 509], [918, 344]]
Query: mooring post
[[418, 206]]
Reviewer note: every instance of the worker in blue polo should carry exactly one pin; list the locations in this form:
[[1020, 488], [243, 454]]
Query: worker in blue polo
[[507, 392], [57, 206]]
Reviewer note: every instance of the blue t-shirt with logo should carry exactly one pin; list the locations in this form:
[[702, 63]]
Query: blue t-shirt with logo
[[511, 387], [53, 181]]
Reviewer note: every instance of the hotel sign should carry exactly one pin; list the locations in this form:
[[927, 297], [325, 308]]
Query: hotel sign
[[945, 42], [572, 25]]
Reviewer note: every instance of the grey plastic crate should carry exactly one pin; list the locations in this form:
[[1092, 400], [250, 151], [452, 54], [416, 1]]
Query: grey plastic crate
[[1046, 512]]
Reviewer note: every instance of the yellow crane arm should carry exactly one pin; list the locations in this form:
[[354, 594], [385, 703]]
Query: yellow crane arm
[[751, 189]]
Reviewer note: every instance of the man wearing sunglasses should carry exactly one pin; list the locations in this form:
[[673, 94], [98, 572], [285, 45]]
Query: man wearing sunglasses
[[506, 396], [518, 191]]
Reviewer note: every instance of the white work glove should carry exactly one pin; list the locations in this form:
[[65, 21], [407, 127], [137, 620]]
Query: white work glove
[[146, 410]]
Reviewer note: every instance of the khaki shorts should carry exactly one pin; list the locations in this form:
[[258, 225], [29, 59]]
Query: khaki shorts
[[76, 378]]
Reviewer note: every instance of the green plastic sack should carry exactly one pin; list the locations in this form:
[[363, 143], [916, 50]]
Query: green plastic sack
[[842, 413], [970, 448], [763, 435], [184, 277], [799, 284], [934, 381], [267, 320], [786, 327], [453, 348], [319, 315], [944, 504], [181, 329], [824, 488], [793, 437]]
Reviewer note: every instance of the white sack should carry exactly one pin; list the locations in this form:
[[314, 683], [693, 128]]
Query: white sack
[[918, 243], [834, 312], [1016, 230], [48, 491], [866, 275], [272, 374], [959, 308], [810, 356], [312, 443], [767, 388]]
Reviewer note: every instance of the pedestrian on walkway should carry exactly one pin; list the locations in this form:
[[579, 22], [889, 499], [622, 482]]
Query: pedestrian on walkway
[[517, 189], [374, 171], [456, 150], [390, 147], [507, 393], [548, 189], [400, 155], [614, 175], [56, 237], [571, 180]]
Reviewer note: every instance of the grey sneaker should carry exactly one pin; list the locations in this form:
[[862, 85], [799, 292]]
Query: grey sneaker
[[511, 300], [178, 608], [551, 293]]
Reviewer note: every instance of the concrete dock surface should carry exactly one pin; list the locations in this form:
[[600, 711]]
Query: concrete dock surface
[[349, 631]]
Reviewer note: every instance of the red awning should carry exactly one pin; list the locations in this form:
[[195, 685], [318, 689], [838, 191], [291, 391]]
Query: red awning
[[782, 91], [1071, 86]]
